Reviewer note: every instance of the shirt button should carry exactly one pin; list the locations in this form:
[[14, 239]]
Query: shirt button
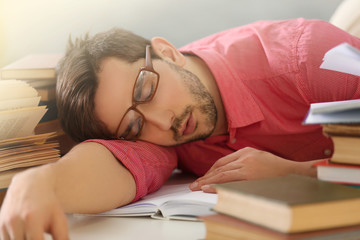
[[233, 140], [327, 152]]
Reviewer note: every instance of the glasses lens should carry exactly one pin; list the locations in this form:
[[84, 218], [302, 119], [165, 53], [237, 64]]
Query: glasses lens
[[131, 125], [145, 87]]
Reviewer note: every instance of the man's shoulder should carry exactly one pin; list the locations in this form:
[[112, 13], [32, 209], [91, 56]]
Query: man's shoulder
[[260, 27]]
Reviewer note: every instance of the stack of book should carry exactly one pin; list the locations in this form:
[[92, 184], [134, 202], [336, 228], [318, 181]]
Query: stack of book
[[64, 140], [30, 133], [20, 148], [344, 165], [287, 207], [340, 121], [39, 70]]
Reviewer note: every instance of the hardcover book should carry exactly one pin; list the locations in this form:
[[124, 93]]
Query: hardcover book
[[340, 173], [346, 139], [36, 66], [291, 203], [222, 227]]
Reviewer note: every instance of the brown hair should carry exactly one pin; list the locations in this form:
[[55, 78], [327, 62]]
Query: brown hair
[[77, 79]]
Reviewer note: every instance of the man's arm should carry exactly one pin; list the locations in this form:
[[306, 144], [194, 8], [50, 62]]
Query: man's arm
[[88, 179]]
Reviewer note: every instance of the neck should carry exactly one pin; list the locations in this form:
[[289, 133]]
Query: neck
[[199, 68]]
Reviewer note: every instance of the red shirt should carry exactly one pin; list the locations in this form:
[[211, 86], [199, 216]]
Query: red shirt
[[268, 74]]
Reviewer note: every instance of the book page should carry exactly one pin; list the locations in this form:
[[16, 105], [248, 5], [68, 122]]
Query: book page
[[174, 194], [347, 112], [27, 156], [20, 122], [19, 103], [26, 148], [13, 89], [25, 141], [39, 83], [30, 161], [178, 192], [342, 58], [341, 117], [327, 107]]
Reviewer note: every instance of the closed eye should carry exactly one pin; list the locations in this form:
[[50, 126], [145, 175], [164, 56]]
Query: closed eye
[[133, 130]]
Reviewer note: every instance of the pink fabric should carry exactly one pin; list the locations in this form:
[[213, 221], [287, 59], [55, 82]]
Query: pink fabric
[[268, 74], [151, 165]]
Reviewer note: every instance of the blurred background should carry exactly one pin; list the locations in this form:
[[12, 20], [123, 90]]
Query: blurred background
[[44, 26]]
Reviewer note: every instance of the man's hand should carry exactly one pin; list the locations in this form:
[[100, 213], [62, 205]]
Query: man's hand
[[31, 208], [249, 163], [88, 179]]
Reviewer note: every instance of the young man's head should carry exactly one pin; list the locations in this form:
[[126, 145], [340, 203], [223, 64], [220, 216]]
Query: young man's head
[[106, 89]]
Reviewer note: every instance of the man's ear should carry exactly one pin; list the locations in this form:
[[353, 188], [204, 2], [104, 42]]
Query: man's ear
[[167, 51]]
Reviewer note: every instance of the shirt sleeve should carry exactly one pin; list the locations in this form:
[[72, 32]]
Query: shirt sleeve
[[322, 85], [150, 165]]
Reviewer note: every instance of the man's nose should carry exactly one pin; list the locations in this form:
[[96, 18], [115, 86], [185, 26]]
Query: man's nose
[[160, 118]]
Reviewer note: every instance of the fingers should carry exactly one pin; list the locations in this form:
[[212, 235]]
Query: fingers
[[25, 226], [228, 168], [34, 230], [14, 229], [33, 227], [219, 172], [222, 169], [4, 233], [31, 208], [247, 164], [59, 229], [208, 189], [231, 157], [223, 161], [204, 182], [222, 177], [222, 172]]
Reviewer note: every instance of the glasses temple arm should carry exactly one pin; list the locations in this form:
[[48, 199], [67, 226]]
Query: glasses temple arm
[[148, 57]]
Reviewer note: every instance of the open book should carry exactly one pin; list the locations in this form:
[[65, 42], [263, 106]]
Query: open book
[[342, 58], [337, 112], [19, 110], [172, 201]]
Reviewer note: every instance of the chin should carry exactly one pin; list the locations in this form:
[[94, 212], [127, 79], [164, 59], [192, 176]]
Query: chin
[[171, 143], [163, 143], [192, 139]]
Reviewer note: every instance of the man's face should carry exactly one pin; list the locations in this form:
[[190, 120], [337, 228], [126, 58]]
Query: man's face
[[181, 110]]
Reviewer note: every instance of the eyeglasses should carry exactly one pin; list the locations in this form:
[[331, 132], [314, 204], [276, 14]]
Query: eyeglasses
[[144, 90]]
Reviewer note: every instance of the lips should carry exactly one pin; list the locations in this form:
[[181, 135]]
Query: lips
[[190, 125]]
